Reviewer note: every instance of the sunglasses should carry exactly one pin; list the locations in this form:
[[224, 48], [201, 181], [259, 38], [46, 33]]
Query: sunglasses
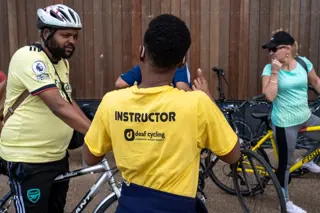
[[275, 49]]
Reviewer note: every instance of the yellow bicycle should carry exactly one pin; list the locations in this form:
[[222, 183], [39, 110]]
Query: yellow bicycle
[[251, 176], [268, 137]]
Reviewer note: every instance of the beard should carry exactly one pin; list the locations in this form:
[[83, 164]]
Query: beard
[[59, 52]]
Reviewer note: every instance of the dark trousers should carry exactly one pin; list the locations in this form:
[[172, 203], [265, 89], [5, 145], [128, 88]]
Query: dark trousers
[[139, 199], [33, 188]]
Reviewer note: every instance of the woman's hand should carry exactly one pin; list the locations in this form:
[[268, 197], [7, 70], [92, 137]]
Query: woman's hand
[[275, 65]]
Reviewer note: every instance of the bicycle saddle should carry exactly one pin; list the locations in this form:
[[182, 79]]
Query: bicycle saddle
[[260, 115]]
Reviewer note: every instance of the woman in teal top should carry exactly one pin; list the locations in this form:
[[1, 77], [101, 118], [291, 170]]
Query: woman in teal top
[[285, 84]]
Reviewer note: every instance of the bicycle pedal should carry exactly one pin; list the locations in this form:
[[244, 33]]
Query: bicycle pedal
[[203, 199]]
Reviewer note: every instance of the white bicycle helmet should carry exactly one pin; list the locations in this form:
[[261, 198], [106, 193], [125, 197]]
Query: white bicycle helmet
[[58, 16]]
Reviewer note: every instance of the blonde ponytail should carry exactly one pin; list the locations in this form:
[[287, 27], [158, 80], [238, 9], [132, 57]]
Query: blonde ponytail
[[295, 48]]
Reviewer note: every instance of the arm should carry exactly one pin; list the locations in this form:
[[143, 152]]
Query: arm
[[64, 110], [3, 85], [214, 132], [121, 83], [314, 80], [270, 80], [129, 78], [181, 79], [33, 76], [270, 86], [183, 86], [97, 140]]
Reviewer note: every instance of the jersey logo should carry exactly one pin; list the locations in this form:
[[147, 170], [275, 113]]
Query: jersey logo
[[34, 195], [132, 135], [129, 134], [34, 49], [39, 67]]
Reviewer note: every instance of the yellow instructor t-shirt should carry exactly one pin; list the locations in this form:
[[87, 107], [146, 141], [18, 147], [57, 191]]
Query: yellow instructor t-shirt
[[157, 134]]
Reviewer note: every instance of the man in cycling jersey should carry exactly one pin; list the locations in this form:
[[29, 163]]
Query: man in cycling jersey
[[157, 131], [35, 138], [181, 78]]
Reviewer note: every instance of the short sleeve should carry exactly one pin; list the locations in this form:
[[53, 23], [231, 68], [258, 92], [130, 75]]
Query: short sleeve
[[213, 130], [181, 75], [308, 63], [267, 70], [32, 73], [97, 138], [133, 75]]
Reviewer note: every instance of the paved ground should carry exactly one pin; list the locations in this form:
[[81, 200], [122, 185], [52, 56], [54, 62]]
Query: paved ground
[[304, 191]]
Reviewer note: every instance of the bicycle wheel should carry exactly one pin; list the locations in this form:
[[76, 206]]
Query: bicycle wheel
[[260, 186], [6, 202], [221, 173], [242, 129], [109, 206]]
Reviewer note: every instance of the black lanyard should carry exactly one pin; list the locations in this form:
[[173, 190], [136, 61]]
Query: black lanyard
[[62, 84]]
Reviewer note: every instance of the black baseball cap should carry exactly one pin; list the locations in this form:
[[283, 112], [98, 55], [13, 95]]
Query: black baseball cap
[[279, 38]]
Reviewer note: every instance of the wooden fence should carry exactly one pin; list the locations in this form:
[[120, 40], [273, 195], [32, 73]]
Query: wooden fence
[[225, 33]]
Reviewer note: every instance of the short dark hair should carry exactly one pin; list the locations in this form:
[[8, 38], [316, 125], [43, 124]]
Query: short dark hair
[[167, 41]]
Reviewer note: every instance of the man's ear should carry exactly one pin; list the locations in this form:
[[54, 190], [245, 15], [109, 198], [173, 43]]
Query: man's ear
[[142, 53], [46, 33]]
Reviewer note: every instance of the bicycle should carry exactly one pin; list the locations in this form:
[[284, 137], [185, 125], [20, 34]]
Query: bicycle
[[247, 158], [107, 176], [296, 169], [303, 142], [240, 126]]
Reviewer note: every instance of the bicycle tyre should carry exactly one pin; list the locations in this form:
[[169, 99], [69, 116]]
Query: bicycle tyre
[[241, 124], [271, 175], [221, 185], [107, 204]]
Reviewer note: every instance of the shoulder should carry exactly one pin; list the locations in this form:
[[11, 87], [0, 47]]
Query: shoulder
[[115, 95], [307, 61], [29, 57], [192, 97], [267, 70], [28, 54]]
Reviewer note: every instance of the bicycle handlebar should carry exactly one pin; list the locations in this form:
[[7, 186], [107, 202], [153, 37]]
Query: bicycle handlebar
[[235, 108], [218, 70]]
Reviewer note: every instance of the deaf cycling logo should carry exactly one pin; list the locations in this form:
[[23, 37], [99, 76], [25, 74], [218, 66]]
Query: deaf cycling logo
[[131, 135]]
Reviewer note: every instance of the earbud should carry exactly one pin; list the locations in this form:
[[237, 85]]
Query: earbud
[[142, 53]]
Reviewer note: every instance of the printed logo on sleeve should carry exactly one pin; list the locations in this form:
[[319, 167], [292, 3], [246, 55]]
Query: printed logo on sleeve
[[40, 69]]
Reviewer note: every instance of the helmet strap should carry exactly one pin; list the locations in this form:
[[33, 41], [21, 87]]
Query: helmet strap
[[46, 41]]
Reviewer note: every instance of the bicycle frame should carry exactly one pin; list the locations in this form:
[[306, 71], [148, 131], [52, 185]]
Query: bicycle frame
[[269, 136], [107, 176]]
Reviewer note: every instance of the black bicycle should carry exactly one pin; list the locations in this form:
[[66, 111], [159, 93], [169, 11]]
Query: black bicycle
[[240, 126]]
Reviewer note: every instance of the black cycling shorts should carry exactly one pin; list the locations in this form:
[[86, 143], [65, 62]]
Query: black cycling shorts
[[33, 187]]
